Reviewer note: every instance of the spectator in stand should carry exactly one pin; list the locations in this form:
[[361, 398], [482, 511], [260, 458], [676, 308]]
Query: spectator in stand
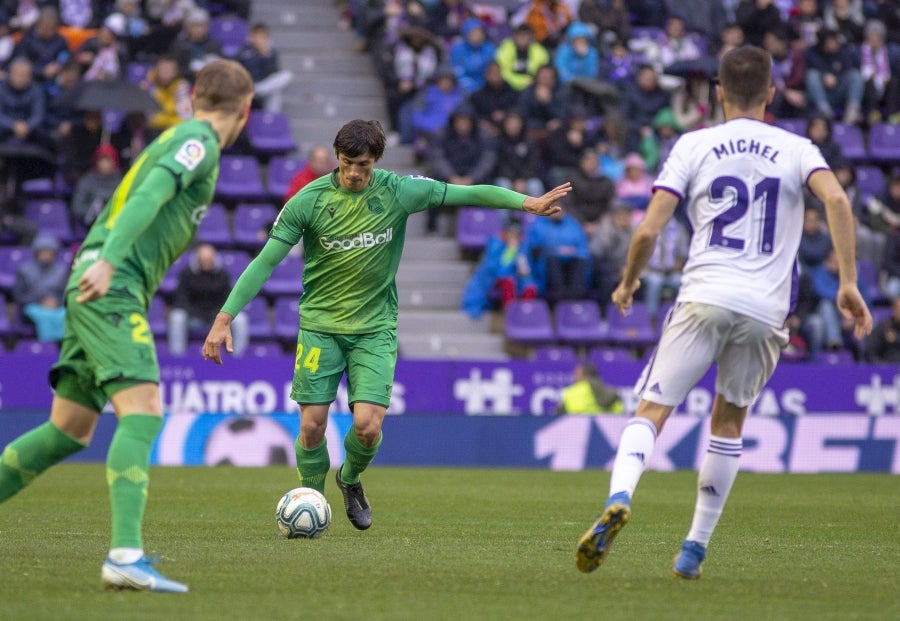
[[592, 192], [61, 113], [414, 62], [446, 17], [96, 187], [520, 57], [815, 242], [869, 243], [703, 16], [543, 104], [825, 283], [80, 15], [819, 131], [833, 79], [131, 137], [493, 101], [655, 148], [320, 161], [676, 46], [166, 20], [618, 64], [558, 248], [565, 144], [805, 23], [171, 91], [461, 155], [890, 265], [40, 287], [888, 13], [77, 148], [428, 112], [609, 249], [503, 271], [518, 158], [846, 18], [663, 273], [588, 394], [881, 98], [611, 145], [470, 55], [7, 42], [788, 74], [609, 17], [202, 288], [641, 103], [756, 17], [884, 210], [44, 46], [805, 326], [103, 57], [548, 20], [136, 25], [261, 61], [883, 345], [650, 13], [577, 64], [23, 106], [194, 48], [25, 16], [636, 185]]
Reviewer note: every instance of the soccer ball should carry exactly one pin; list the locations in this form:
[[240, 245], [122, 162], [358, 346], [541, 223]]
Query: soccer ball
[[303, 513]]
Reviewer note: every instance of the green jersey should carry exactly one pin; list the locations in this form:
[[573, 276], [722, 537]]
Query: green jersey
[[352, 243], [140, 231]]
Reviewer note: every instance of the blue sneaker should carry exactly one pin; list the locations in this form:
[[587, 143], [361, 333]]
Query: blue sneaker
[[139, 576], [688, 561], [595, 543]]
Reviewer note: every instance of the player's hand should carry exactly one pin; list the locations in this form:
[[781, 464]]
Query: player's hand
[[219, 335], [546, 204], [623, 296], [94, 283], [852, 306]]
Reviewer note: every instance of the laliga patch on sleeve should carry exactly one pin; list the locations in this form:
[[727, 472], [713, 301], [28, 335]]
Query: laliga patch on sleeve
[[191, 154], [421, 177]]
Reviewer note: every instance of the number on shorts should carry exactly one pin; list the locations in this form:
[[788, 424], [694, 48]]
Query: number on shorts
[[311, 361], [767, 190], [140, 332]]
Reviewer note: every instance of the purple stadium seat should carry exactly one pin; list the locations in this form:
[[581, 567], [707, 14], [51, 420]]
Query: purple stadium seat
[[555, 353], [647, 32], [252, 222], [239, 179], [578, 322], [135, 73], [39, 187], [636, 329], [30, 347], [230, 31], [795, 126], [170, 280], [870, 180], [884, 143], [156, 316], [287, 318], [269, 133], [286, 278], [112, 120], [475, 224], [281, 171], [234, 262], [10, 258], [841, 356], [880, 313], [51, 216], [260, 324], [264, 350], [601, 356], [529, 322], [867, 275], [214, 228], [850, 138]]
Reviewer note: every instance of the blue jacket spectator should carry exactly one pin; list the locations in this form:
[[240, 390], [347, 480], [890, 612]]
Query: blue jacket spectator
[[471, 54], [428, 112], [44, 46], [22, 104], [504, 271], [577, 57], [833, 79], [558, 248], [641, 102], [815, 242]]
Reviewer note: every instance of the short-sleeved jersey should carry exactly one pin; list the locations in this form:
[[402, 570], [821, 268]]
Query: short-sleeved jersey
[[352, 243], [743, 183], [190, 152]]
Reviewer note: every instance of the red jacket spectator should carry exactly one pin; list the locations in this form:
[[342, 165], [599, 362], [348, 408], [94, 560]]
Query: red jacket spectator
[[319, 162]]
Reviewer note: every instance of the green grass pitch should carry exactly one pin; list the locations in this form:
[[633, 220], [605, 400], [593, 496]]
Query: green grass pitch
[[459, 544]]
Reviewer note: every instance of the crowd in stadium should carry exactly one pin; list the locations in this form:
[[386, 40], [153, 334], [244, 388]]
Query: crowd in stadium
[[524, 94]]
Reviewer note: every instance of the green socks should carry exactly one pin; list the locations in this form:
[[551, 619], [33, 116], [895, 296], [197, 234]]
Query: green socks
[[313, 465], [30, 454], [127, 474], [358, 457]]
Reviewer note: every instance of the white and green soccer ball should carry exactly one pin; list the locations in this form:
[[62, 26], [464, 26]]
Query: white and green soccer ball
[[303, 513]]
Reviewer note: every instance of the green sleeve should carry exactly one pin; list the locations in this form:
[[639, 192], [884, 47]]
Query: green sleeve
[[137, 213], [251, 280], [483, 196]]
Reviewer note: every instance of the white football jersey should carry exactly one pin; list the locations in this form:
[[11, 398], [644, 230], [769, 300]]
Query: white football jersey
[[743, 182]]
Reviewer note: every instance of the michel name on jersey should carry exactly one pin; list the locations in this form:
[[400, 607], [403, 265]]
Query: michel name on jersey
[[744, 145]]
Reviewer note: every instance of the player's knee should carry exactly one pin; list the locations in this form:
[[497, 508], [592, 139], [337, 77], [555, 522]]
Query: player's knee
[[368, 432], [312, 432]]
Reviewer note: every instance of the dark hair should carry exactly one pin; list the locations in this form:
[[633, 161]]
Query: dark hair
[[259, 27], [223, 86], [359, 137], [589, 370], [745, 74]]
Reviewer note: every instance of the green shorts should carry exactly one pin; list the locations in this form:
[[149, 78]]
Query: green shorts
[[107, 346], [369, 360]]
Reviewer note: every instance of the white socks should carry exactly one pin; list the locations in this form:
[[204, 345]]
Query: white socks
[[633, 455], [125, 556], [714, 481]]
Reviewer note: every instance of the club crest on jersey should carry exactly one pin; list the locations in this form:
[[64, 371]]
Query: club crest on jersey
[[191, 154], [374, 205], [198, 214]]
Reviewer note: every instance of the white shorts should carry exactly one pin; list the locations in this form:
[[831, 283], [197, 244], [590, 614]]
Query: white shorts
[[695, 335]]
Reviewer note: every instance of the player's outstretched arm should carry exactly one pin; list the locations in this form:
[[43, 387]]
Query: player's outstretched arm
[[548, 203], [502, 198]]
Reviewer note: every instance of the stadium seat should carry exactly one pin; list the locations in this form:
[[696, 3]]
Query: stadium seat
[[870, 181], [795, 126], [51, 215], [231, 32], [884, 143], [112, 120], [287, 318], [170, 280], [633, 330], [6, 329], [234, 262], [10, 258], [850, 138], [529, 322], [841, 356], [269, 133], [867, 275], [474, 225], [239, 179], [286, 278], [156, 316], [260, 324], [555, 353], [578, 322], [135, 72], [264, 350], [214, 228], [601, 356], [281, 171], [880, 313], [252, 222], [31, 347]]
